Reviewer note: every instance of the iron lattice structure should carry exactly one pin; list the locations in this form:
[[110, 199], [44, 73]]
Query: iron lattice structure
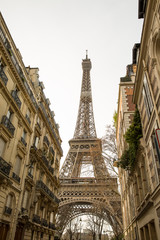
[[84, 195]]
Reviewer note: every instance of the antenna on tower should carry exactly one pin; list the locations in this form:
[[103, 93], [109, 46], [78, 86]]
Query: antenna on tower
[[86, 54]]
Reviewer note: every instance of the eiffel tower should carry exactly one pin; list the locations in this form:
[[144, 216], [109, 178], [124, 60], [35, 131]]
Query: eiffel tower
[[86, 186]]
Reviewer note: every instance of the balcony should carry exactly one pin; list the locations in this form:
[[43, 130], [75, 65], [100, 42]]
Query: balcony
[[28, 119], [4, 167], [3, 76], [45, 139], [52, 226], [16, 98], [36, 219], [44, 222], [16, 177], [7, 123], [23, 141], [8, 210], [47, 191]]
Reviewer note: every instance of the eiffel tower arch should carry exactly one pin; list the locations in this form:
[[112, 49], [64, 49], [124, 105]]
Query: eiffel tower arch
[[94, 191]]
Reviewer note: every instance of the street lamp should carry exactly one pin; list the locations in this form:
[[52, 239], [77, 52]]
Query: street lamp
[[80, 227]]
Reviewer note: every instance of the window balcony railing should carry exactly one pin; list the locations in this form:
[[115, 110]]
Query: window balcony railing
[[4, 167], [45, 139], [36, 219], [48, 192], [16, 177], [23, 141], [16, 98], [44, 222], [7, 123], [28, 119], [8, 210], [52, 226], [3, 76]]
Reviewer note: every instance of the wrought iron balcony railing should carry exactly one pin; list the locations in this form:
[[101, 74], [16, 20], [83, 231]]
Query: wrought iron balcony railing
[[7, 123], [16, 177], [23, 141], [52, 226], [43, 186], [45, 139], [8, 210], [16, 98], [3, 76], [4, 167], [36, 219], [44, 222]]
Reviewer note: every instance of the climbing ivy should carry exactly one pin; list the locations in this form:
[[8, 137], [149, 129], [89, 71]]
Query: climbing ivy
[[132, 137]]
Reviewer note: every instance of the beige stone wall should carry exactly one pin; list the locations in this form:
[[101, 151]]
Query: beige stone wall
[[141, 188], [30, 149]]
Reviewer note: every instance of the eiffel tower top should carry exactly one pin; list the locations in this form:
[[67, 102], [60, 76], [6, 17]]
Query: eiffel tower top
[[85, 126]]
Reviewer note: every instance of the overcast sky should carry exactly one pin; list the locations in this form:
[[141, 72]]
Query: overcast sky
[[53, 35]]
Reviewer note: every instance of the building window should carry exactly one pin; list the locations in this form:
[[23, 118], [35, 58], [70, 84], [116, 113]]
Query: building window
[[147, 97], [23, 138], [9, 201], [25, 199], [17, 167], [28, 116], [41, 176], [9, 114], [2, 146], [36, 141], [39, 122], [30, 169], [9, 204]]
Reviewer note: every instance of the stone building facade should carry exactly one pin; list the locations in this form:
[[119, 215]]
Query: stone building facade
[[30, 149], [140, 188]]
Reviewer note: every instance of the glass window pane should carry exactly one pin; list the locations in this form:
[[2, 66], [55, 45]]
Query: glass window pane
[[2, 146]]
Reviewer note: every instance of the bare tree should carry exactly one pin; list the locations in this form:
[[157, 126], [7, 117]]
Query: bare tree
[[109, 149], [72, 229], [95, 224]]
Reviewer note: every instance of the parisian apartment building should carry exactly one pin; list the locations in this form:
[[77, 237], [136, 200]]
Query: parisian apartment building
[[30, 149], [139, 98]]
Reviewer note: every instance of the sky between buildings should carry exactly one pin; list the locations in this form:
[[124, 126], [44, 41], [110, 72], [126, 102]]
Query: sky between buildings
[[53, 35]]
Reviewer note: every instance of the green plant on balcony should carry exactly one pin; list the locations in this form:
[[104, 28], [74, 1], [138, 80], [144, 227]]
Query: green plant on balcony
[[132, 137]]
